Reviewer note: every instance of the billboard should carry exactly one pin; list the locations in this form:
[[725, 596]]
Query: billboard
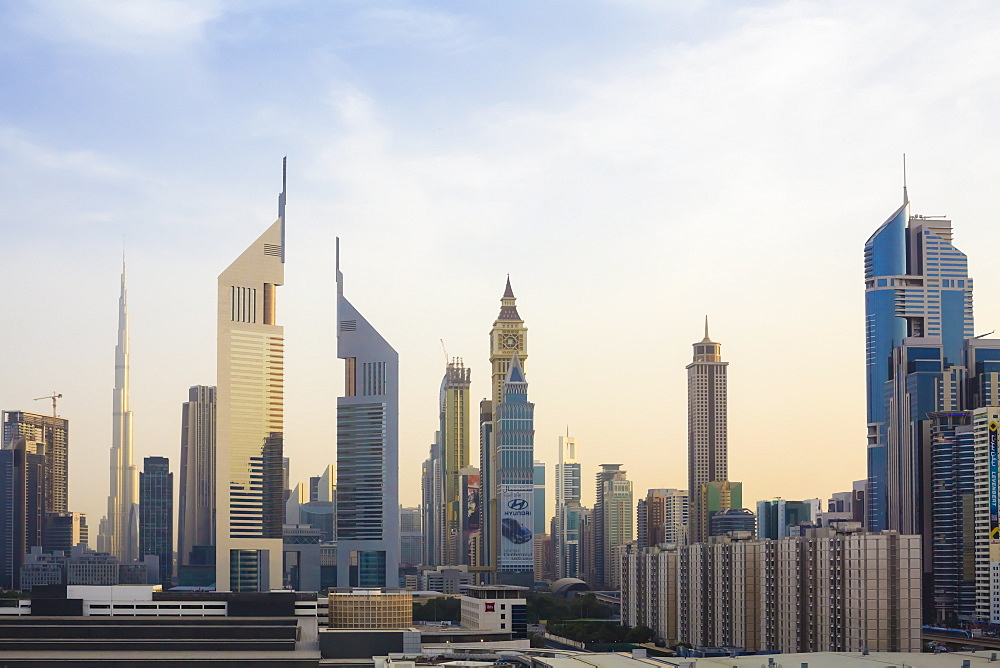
[[470, 502], [994, 492], [517, 545]]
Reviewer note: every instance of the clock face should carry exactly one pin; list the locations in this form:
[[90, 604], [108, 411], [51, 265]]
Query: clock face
[[510, 341]]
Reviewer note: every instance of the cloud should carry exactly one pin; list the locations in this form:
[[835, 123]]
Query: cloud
[[121, 25], [410, 27], [19, 153]]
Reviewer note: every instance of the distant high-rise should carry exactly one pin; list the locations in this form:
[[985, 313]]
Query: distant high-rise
[[250, 415], [617, 525], [431, 506], [156, 514], [367, 452], [588, 547], [514, 437], [508, 342], [707, 427], [780, 518], [508, 337], [326, 489], [483, 539], [286, 465], [918, 313], [64, 531], [471, 501], [598, 566], [662, 517], [739, 522], [22, 505], [566, 541], [120, 527], [410, 537], [717, 496], [454, 433], [196, 517], [953, 481], [51, 433], [539, 491]]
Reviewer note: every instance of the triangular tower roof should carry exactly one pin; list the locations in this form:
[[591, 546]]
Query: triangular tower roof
[[508, 309], [515, 374], [508, 292]]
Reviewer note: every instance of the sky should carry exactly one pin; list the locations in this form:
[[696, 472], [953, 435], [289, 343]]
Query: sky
[[633, 165]]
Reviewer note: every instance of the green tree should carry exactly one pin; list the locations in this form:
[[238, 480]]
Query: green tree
[[638, 634]]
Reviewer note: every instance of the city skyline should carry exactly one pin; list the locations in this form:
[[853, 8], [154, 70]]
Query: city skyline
[[566, 221]]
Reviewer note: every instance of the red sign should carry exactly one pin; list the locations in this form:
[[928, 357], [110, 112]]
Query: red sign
[[490, 607]]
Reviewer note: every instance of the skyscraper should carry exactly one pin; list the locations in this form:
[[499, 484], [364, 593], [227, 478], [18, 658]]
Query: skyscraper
[[539, 498], [454, 434], [596, 566], [196, 517], [51, 436], [567, 525], [250, 417], [471, 502], [918, 295], [953, 485], [514, 435], [662, 517], [120, 527], [410, 537], [64, 531], [707, 427], [22, 505], [508, 341], [780, 518], [717, 496], [367, 452], [156, 514], [430, 504], [508, 337], [617, 524]]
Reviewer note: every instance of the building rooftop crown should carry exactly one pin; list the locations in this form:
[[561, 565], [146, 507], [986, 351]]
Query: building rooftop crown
[[508, 310]]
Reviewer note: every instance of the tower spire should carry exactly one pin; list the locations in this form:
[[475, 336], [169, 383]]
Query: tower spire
[[706, 328], [281, 202], [508, 304], [118, 532], [906, 197]]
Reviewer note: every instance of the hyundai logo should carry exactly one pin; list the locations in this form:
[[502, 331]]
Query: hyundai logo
[[517, 504]]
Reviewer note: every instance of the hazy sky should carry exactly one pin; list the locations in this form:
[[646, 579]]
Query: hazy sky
[[633, 165]]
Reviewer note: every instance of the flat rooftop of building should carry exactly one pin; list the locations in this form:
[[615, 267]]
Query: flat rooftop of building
[[80, 657], [830, 660], [305, 652]]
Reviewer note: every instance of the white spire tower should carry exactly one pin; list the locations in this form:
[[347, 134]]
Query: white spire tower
[[120, 528]]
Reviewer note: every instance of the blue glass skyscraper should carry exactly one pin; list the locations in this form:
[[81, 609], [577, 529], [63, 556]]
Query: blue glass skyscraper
[[952, 530], [515, 441], [918, 299]]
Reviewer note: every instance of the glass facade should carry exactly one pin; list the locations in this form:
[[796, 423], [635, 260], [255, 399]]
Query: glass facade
[[917, 286], [953, 482], [515, 475], [156, 514]]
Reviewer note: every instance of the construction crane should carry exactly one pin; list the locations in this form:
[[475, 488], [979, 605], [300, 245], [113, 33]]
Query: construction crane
[[445, 351], [53, 397]]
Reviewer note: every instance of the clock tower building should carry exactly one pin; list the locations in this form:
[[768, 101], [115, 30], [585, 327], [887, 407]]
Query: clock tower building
[[508, 337], [506, 438]]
